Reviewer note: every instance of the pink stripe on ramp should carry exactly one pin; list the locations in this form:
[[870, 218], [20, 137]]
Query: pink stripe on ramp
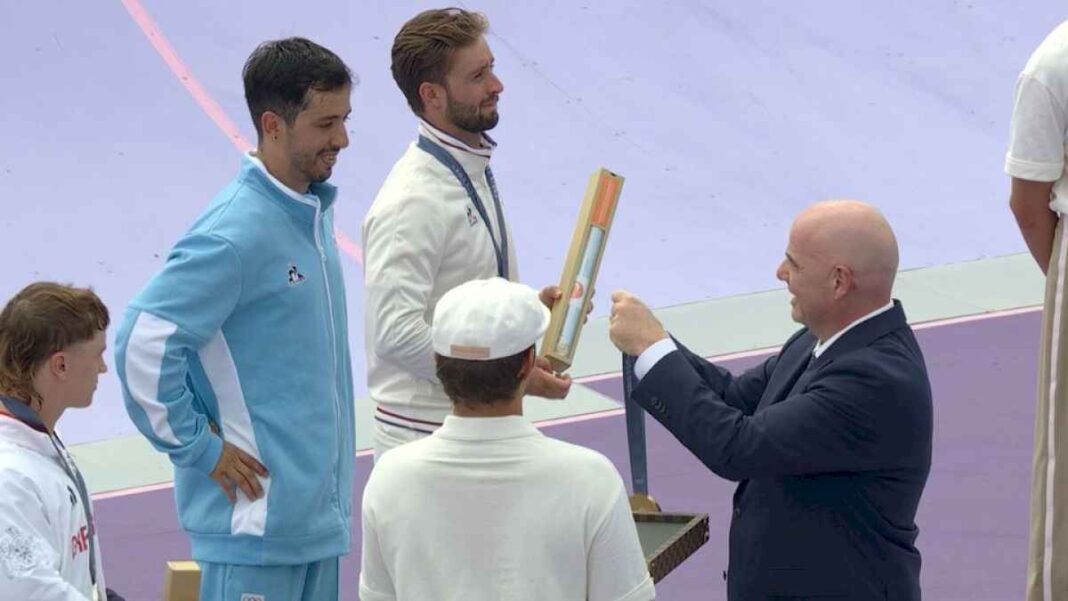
[[578, 418], [200, 95], [347, 246], [207, 103], [125, 492]]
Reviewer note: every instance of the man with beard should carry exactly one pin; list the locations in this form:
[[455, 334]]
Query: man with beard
[[234, 359], [436, 223]]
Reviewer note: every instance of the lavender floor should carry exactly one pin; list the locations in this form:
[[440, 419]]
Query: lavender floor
[[973, 518]]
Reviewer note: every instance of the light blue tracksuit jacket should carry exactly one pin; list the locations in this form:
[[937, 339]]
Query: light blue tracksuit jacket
[[245, 329]]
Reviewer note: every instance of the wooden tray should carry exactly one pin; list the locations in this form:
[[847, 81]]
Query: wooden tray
[[668, 539]]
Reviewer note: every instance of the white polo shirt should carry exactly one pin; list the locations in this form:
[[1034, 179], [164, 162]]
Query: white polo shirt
[[487, 509], [1038, 141], [422, 237]]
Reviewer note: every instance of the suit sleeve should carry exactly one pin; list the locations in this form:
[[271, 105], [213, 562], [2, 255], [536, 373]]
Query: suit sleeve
[[851, 417], [742, 392]]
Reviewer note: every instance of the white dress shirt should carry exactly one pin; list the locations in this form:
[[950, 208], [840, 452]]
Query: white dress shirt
[[660, 349]]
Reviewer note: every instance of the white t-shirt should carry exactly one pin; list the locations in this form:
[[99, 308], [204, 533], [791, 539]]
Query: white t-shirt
[[44, 545], [421, 238], [488, 509], [1038, 142]]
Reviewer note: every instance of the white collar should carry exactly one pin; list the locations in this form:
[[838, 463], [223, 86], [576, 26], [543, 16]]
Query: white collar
[[821, 347], [290, 192], [486, 428], [13, 431], [474, 161], [485, 151]]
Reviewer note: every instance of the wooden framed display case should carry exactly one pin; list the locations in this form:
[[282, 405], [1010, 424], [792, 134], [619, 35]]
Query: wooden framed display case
[[581, 267]]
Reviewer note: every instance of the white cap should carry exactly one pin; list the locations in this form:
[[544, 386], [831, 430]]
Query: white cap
[[489, 319]]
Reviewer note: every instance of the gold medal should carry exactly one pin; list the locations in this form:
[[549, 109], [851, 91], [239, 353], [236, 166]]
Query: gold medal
[[644, 503]]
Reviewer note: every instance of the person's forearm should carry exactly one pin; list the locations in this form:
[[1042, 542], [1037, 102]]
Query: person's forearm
[[1029, 203], [1038, 234]]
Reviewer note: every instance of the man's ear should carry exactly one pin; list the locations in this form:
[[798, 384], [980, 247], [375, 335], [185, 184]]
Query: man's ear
[[271, 124], [433, 96], [844, 280], [528, 365], [57, 364]]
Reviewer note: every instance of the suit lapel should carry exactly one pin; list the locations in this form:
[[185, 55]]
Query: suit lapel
[[793, 359], [864, 334], [793, 371]]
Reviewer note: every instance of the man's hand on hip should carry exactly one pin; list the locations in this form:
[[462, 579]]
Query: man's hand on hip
[[237, 469]]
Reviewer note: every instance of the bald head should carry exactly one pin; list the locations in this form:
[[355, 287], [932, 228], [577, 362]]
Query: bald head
[[854, 234]]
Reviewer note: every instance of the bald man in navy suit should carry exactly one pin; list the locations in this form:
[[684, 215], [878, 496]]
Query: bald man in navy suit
[[829, 440]]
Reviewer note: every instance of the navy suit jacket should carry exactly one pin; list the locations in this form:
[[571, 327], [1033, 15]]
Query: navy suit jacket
[[831, 456]]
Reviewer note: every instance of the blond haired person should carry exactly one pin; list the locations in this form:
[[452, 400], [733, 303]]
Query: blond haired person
[[51, 354]]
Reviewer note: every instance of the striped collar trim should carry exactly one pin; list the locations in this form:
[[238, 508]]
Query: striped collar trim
[[445, 139]]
